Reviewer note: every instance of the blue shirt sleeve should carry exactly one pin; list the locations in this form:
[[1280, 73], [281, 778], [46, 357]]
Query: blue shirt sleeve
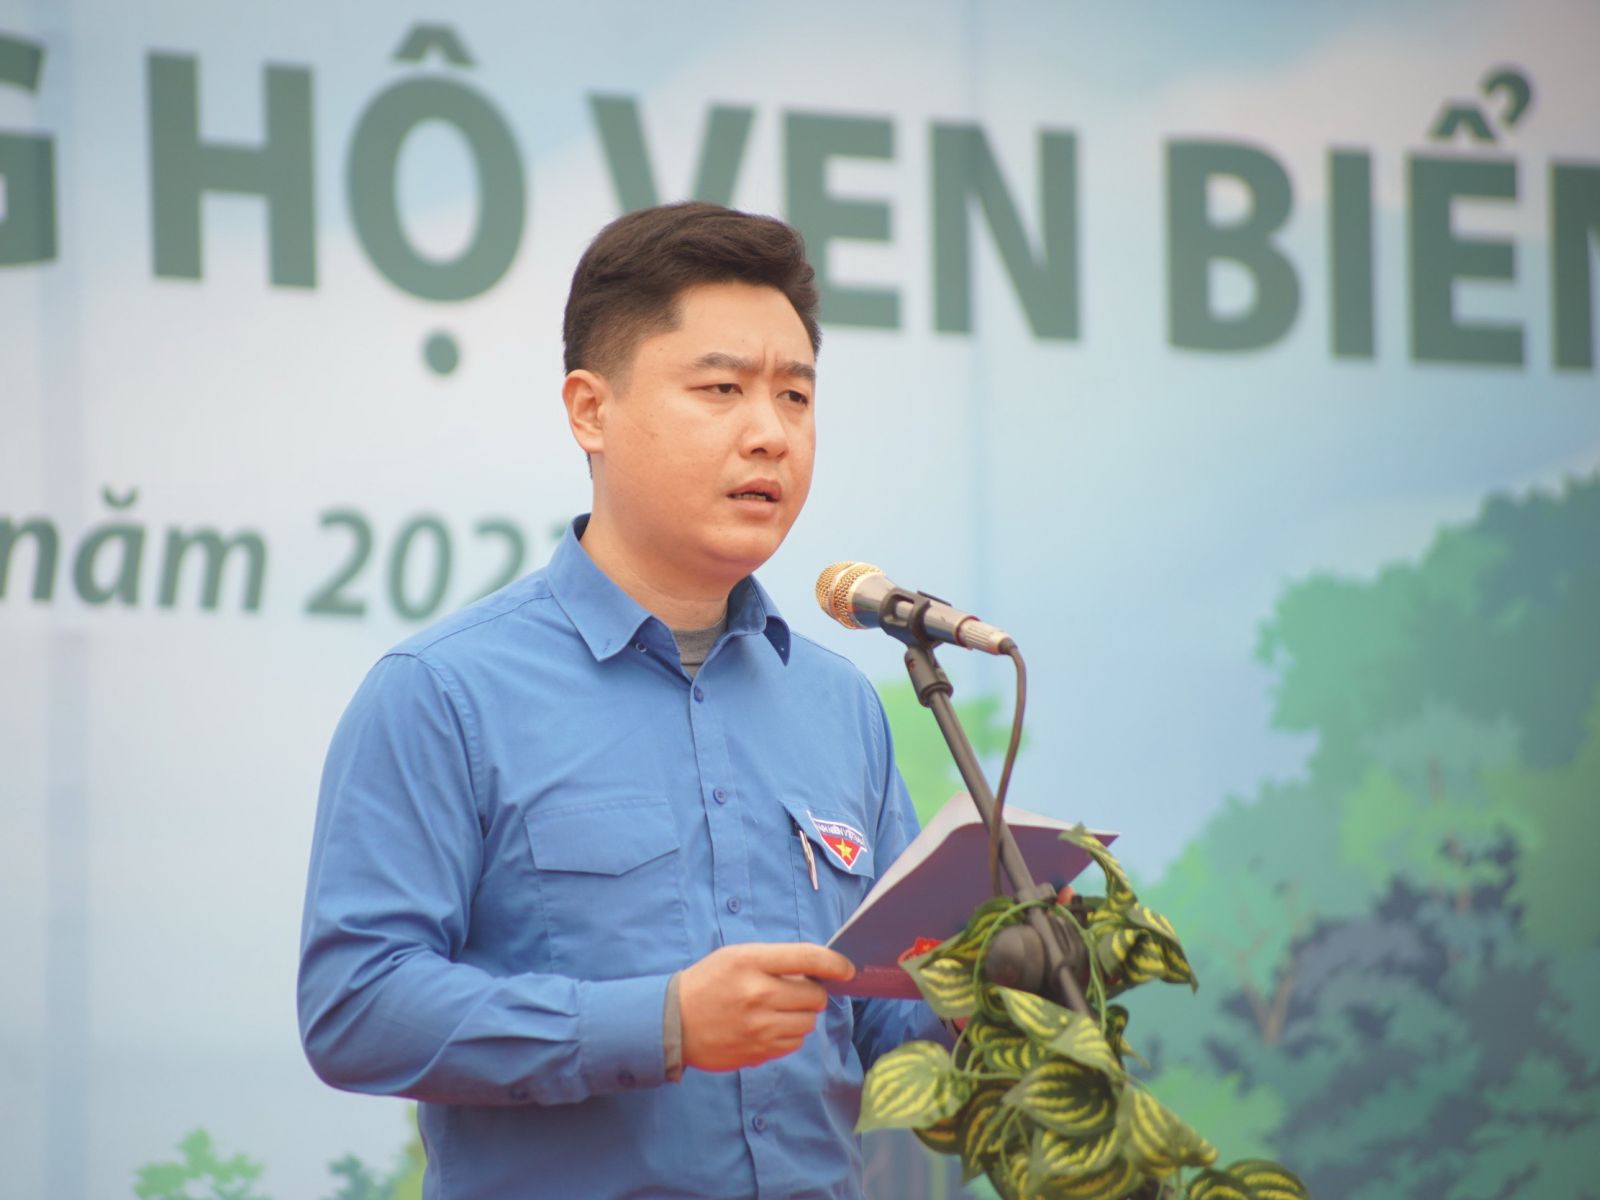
[[881, 1025], [385, 1003]]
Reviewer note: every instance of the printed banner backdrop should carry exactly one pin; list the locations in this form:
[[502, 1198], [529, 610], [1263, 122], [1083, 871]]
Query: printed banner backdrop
[[1239, 359]]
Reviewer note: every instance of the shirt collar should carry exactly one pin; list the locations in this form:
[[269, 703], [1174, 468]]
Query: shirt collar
[[609, 620]]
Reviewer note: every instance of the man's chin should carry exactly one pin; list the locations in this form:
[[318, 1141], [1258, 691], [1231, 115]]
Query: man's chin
[[740, 553]]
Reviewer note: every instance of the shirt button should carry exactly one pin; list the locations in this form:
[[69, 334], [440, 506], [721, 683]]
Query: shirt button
[[698, 694], [733, 904], [720, 795], [625, 1078], [758, 1123], [639, 646]]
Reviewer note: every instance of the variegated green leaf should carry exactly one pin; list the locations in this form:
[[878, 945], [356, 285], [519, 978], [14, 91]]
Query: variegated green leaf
[[1264, 1180], [1014, 1056], [1116, 1026], [1131, 955], [1055, 1156], [1215, 1185], [1083, 1042], [1119, 892], [1145, 960], [1128, 954], [1157, 1141], [1176, 968], [988, 915], [977, 1034], [1111, 1182], [1086, 910], [913, 1085], [1101, 943], [942, 1137], [990, 1003], [1034, 1015], [983, 1128], [1138, 946], [1147, 918], [981, 1033], [945, 982], [1066, 1097], [1065, 1032], [1010, 1177]]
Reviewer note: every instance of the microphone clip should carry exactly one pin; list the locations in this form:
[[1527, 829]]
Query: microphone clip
[[902, 616]]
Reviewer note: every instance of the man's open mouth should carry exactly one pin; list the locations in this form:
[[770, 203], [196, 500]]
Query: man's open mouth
[[760, 492]]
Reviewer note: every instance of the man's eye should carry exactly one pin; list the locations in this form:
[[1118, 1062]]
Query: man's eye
[[798, 397], [725, 389]]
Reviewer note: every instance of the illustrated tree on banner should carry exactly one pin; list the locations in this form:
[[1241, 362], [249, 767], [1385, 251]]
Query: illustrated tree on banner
[[1398, 947]]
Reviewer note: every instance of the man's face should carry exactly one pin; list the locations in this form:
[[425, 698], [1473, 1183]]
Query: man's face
[[707, 443]]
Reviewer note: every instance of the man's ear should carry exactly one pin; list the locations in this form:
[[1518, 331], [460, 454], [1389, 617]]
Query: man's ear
[[587, 397]]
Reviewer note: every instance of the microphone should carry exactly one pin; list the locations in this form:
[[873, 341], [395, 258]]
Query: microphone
[[859, 595]]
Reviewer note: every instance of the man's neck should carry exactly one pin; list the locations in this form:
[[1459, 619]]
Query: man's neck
[[678, 603]]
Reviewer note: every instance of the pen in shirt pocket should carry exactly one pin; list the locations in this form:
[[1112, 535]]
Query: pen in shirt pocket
[[811, 858]]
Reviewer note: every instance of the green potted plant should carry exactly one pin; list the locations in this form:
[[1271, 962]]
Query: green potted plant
[[1037, 1096]]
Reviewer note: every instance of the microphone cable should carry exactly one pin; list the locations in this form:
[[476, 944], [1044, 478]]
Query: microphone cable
[[1015, 656]]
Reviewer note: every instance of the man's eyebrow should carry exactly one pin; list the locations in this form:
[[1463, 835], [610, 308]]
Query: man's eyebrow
[[717, 360]]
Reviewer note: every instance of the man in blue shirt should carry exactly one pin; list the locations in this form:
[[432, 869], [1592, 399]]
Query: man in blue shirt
[[577, 845]]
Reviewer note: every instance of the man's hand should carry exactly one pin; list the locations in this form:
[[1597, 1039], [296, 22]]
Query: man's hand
[[742, 1005]]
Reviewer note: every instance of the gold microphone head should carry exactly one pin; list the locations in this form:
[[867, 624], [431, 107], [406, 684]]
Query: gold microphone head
[[834, 586]]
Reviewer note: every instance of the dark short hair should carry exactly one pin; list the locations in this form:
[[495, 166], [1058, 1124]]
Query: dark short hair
[[628, 281]]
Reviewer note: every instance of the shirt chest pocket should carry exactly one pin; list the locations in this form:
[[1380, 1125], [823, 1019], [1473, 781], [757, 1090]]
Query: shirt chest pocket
[[831, 863], [609, 875]]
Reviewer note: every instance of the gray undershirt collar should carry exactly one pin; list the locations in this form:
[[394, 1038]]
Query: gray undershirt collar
[[695, 644]]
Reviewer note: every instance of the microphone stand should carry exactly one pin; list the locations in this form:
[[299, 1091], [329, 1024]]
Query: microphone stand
[[1058, 941]]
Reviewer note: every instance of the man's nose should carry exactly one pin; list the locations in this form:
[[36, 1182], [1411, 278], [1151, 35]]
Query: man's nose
[[765, 432]]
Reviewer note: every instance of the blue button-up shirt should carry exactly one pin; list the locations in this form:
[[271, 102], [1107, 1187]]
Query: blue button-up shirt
[[530, 818]]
